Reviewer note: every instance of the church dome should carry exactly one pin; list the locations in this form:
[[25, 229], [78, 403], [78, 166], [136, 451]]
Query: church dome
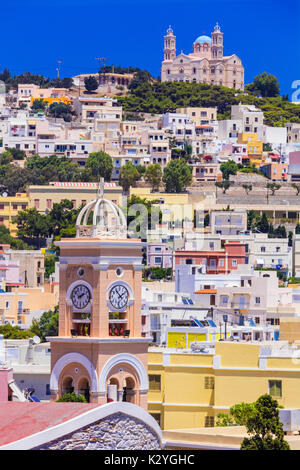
[[108, 219], [203, 39]]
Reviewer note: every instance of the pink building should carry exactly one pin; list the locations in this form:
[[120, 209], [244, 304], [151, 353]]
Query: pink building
[[159, 255], [275, 171], [6, 377]]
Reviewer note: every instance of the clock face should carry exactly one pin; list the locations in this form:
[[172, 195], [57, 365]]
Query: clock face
[[118, 296], [80, 296]]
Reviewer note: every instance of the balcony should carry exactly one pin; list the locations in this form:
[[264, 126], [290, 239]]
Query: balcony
[[240, 305]]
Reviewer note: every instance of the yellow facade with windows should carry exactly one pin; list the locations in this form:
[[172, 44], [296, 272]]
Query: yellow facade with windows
[[9, 208], [255, 147], [193, 388]]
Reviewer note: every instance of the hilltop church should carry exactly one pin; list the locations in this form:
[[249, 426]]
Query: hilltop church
[[206, 64]]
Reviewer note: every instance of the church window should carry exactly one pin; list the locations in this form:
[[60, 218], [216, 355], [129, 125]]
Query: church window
[[181, 71], [168, 72], [212, 70], [194, 70], [221, 70], [204, 70]]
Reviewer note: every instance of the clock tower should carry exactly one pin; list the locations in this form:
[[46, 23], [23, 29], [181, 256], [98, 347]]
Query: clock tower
[[99, 351]]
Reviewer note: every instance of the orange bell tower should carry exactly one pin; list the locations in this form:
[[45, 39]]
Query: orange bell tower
[[99, 351]]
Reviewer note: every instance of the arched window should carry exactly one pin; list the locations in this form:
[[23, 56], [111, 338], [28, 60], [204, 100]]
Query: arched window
[[181, 71], [194, 70]]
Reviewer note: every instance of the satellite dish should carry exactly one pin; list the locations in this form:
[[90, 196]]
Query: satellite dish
[[4, 194], [36, 340]]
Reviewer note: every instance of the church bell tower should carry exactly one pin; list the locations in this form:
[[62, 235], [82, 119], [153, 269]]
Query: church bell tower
[[217, 43], [169, 45], [99, 351]]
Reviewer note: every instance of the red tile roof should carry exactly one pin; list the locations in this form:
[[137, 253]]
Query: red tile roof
[[19, 420]]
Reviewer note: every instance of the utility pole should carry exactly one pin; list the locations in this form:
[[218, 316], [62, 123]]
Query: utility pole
[[58, 69], [102, 61]]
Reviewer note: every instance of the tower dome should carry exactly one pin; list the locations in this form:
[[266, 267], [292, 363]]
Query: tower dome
[[108, 220], [202, 39]]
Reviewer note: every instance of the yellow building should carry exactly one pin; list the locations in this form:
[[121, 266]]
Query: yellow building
[[43, 197], [174, 206], [9, 208], [255, 147], [188, 390], [49, 100]]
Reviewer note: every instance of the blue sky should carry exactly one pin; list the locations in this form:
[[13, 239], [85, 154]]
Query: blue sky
[[37, 33]]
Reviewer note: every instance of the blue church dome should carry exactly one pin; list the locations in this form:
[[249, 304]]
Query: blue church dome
[[203, 39]]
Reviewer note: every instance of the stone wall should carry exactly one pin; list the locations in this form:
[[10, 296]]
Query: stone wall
[[115, 432]]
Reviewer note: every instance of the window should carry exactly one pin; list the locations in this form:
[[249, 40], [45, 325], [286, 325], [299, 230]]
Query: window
[[157, 259], [49, 203], [209, 421], [257, 300], [224, 299], [234, 262], [209, 383], [36, 203], [15, 207], [157, 417], [7, 304], [47, 389], [263, 249], [275, 388], [221, 263], [154, 382]]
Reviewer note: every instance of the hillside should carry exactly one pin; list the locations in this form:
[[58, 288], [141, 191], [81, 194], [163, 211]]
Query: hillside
[[167, 96]]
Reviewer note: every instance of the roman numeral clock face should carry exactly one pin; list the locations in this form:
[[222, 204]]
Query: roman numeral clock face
[[80, 296], [118, 296]]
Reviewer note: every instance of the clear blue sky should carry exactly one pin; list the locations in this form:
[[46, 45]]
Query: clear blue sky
[[37, 33]]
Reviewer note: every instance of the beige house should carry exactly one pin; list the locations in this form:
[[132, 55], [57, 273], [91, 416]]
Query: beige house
[[199, 116], [43, 197]]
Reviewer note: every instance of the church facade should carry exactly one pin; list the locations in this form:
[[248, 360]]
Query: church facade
[[206, 64]]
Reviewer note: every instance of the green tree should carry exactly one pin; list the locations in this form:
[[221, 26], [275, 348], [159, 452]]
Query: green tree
[[177, 175], [128, 176], [247, 188], [60, 110], [224, 185], [72, 397], [296, 187], [265, 85], [49, 265], [14, 332], [263, 224], [91, 83], [140, 77], [228, 168], [264, 427], [46, 325], [100, 164], [273, 187], [32, 224], [153, 176], [38, 105]]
